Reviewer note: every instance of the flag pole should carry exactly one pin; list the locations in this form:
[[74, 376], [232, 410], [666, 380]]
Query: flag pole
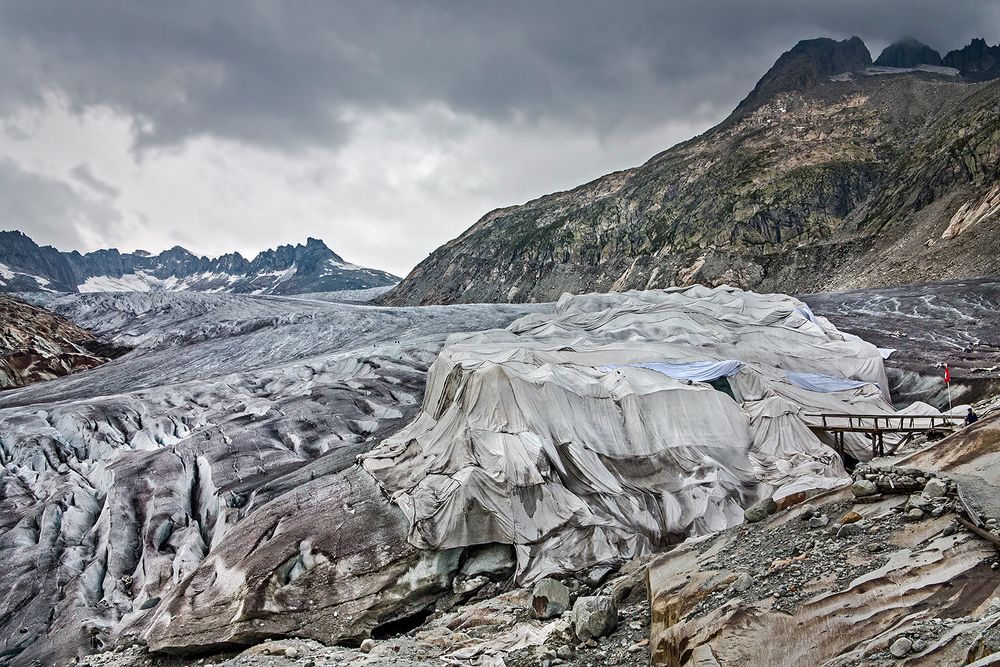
[[947, 382]]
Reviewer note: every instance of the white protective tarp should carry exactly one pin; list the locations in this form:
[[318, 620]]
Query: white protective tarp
[[558, 436], [823, 383]]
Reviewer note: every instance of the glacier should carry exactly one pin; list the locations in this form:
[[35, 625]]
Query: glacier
[[267, 466]]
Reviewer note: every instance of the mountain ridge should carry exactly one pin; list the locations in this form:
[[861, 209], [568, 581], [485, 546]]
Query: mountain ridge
[[287, 269], [819, 179]]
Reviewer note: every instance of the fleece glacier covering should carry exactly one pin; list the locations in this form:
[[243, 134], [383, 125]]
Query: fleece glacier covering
[[600, 431]]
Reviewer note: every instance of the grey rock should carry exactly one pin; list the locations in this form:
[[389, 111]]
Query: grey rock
[[935, 488], [915, 514], [549, 598], [849, 529], [595, 576], [367, 645], [863, 487], [594, 616], [901, 647], [760, 510], [742, 583], [819, 521], [463, 586], [919, 645], [920, 501]]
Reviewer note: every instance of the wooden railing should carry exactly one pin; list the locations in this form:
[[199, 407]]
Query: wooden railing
[[892, 423], [876, 426]]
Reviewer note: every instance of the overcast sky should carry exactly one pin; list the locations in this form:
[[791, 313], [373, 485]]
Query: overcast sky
[[384, 128]]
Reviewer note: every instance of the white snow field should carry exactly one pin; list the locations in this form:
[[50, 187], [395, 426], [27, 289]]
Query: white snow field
[[202, 492]]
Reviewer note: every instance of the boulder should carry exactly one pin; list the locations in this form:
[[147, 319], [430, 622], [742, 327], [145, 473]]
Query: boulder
[[742, 583], [935, 488], [848, 529], [549, 598], [149, 603], [863, 488], [760, 510], [901, 647], [594, 616]]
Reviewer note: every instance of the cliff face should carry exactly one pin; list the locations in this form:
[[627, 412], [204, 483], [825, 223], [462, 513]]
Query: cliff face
[[822, 178]]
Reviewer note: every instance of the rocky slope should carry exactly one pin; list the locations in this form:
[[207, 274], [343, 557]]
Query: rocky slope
[[832, 173], [903, 570], [37, 345], [27, 267]]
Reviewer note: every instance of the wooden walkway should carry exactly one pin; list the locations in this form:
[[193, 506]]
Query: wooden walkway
[[876, 426]]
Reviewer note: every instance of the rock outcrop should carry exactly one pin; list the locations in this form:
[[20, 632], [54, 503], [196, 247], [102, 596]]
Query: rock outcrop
[[791, 590], [37, 345], [823, 178]]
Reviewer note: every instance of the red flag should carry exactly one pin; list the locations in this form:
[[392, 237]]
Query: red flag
[[947, 375]]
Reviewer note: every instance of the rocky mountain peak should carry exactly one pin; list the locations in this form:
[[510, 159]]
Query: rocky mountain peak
[[908, 52], [975, 60], [26, 267], [806, 64]]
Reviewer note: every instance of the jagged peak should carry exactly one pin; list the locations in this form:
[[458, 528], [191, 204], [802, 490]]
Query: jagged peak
[[908, 52], [977, 59], [806, 64]]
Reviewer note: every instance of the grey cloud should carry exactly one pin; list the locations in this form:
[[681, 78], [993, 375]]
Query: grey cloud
[[49, 211], [280, 74], [84, 175]]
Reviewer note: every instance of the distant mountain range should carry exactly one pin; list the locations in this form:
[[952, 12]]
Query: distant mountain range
[[26, 267], [834, 172]]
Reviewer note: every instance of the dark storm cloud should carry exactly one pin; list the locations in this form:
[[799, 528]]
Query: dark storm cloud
[[282, 74]]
